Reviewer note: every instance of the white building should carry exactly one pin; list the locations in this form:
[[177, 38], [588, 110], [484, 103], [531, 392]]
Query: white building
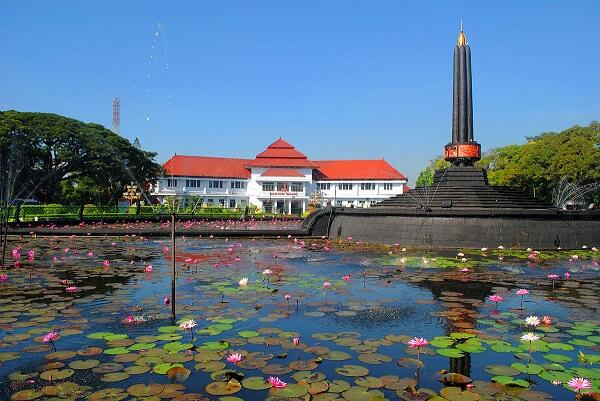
[[280, 180]]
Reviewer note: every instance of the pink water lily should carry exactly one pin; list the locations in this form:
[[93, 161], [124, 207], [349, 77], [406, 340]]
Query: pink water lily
[[346, 278], [418, 343], [326, 285], [234, 358], [106, 263], [50, 338], [31, 255], [3, 277], [16, 254], [71, 289], [276, 382], [522, 292], [579, 383], [496, 299], [148, 269], [166, 301], [547, 320]]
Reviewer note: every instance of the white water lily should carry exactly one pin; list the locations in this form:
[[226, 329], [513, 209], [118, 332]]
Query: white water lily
[[267, 272], [244, 281], [188, 324], [532, 321], [529, 337]]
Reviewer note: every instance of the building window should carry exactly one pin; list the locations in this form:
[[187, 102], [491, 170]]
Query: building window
[[215, 184], [268, 186], [238, 184], [387, 186], [345, 186], [281, 186], [171, 182], [297, 187], [232, 203], [209, 201], [367, 186], [222, 202], [193, 183], [324, 186], [338, 203]]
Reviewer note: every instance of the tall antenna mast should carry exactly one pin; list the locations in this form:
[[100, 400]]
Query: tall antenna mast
[[116, 118]]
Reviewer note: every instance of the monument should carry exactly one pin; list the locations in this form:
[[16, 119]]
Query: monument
[[461, 209]]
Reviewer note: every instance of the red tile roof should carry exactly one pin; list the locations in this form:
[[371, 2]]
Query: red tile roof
[[357, 170], [281, 157], [201, 166], [282, 172], [281, 154]]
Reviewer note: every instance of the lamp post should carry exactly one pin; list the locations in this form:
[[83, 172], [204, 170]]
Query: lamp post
[[173, 264]]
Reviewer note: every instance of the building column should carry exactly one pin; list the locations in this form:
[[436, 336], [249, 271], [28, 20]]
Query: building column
[[289, 206], [303, 206]]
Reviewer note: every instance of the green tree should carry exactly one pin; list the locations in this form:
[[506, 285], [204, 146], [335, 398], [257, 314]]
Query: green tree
[[63, 160]]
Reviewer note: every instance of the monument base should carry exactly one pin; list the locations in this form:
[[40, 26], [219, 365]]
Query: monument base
[[461, 210]]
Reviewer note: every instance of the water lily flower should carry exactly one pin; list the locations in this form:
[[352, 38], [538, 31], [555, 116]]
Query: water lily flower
[[556, 382], [15, 253], [3, 277], [346, 278], [90, 253], [531, 337], [417, 342], [166, 301], [234, 358], [243, 281], [463, 260], [484, 249], [267, 272], [296, 341], [130, 319], [547, 320], [106, 263], [500, 247], [71, 289], [287, 297], [522, 292], [532, 321], [567, 275], [148, 269], [276, 382], [50, 337], [496, 298], [188, 324], [326, 285], [31, 255], [465, 270], [579, 383], [460, 254], [553, 276]]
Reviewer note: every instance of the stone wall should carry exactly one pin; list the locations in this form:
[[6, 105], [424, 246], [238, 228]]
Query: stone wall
[[475, 229]]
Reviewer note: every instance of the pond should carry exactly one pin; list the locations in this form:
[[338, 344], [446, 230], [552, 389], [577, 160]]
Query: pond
[[90, 318]]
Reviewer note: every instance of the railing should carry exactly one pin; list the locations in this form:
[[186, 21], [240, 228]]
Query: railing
[[82, 213]]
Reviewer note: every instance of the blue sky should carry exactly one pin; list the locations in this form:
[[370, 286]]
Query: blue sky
[[338, 79]]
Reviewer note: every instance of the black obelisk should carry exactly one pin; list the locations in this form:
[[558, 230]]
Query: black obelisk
[[463, 150]]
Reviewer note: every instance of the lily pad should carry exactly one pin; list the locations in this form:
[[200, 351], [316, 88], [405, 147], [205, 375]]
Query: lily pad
[[256, 383], [223, 388], [352, 371]]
